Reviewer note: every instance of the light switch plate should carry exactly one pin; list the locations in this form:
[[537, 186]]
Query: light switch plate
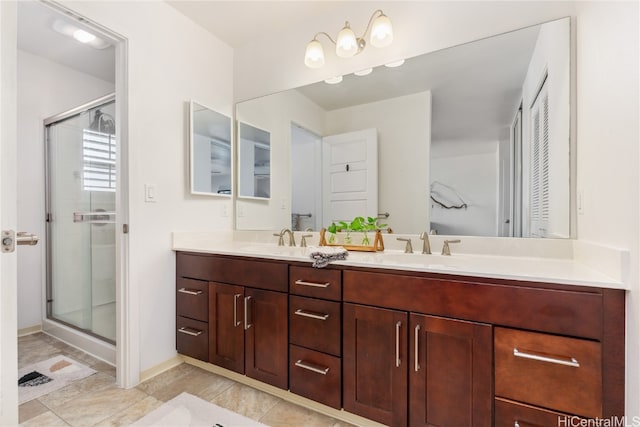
[[150, 193]]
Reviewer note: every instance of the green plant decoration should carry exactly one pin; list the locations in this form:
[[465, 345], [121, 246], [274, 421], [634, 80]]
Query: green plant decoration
[[332, 229]]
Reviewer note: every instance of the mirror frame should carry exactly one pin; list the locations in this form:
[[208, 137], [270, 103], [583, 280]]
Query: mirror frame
[[232, 164]]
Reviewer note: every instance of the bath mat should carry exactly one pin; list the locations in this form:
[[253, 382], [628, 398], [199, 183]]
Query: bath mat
[[41, 378], [188, 410]]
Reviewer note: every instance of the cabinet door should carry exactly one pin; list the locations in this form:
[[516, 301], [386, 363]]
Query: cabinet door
[[375, 363], [266, 337], [226, 334], [449, 372]]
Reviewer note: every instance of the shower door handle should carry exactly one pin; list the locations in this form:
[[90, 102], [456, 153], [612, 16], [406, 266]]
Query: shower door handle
[[97, 218]]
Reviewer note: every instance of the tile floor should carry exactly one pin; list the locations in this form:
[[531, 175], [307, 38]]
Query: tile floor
[[97, 401]]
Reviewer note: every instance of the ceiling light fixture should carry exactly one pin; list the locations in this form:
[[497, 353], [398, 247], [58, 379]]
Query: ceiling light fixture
[[83, 36], [79, 34], [347, 44]]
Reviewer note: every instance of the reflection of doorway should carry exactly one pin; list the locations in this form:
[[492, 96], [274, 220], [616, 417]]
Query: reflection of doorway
[[516, 138], [350, 176], [306, 179]]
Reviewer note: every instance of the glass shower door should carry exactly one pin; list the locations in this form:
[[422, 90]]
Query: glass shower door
[[81, 159]]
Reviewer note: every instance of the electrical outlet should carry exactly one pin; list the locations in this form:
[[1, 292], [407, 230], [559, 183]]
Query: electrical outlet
[[283, 203], [239, 210], [224, 211]]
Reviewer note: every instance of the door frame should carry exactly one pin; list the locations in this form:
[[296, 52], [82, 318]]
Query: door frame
[[8, 214], [127, 297]]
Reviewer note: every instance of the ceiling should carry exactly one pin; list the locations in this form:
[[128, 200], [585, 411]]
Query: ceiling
[[239, 22], [37, 36]]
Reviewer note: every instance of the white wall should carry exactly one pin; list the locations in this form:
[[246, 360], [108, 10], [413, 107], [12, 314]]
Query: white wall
[[471, 169], [606, 99], [608, 46], [44, 89], [404, 136], [170, 61]]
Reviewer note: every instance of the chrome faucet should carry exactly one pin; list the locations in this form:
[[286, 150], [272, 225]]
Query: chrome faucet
[[426, 246], [445, 247], [408, 249]]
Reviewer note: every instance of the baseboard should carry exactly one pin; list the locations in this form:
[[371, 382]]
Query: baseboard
[[29, 331], [339, 414], [162, 367]]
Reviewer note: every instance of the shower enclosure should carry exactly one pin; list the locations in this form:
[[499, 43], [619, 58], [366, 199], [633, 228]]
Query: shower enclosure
[[81, 204]]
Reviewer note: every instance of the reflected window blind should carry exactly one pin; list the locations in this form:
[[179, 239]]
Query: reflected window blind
[[99, 161], [540, 208]]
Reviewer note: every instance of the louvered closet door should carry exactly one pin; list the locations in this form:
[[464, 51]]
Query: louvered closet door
[[539, 206]]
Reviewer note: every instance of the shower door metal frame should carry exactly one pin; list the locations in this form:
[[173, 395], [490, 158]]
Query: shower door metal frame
[[47, 169]]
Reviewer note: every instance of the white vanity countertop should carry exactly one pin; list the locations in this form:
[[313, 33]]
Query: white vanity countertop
[[557, 265]]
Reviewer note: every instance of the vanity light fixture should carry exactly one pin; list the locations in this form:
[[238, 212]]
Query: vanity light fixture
[[333, 80], [347, 44], [364, 72], [394, 64]]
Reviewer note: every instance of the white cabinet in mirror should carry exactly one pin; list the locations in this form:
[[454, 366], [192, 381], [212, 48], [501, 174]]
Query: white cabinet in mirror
[[472, 140], [254, 158], [211, 152]]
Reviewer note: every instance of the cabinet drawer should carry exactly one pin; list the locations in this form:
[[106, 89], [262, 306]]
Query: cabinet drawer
[[559, 373], [246, 272], [510, 414], [192, 299], [315, 375], [317, 283], [192, 338], [315, 324]]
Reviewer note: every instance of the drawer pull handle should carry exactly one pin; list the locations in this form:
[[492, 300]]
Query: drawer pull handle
[[416, 366], [189, 291], [236, 322], [189, 331], [573, 362], [398, 361], [304, 313], [312, 367], [314, 284]]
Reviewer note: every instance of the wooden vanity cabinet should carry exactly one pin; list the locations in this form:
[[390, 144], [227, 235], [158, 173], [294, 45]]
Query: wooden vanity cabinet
[[315, 338], [192, 328], [247, 314], [375, 363], [436, 370], [408, 348]]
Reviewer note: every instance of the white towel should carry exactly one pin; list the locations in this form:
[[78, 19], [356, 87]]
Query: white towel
[[323, 255]]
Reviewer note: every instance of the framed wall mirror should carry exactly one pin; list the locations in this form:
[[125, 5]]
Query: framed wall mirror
[[472, 140], [254, 159], [211, 152]]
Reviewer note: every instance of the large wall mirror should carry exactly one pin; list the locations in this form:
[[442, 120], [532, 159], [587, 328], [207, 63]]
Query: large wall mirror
[[211, 151], [472, 140]]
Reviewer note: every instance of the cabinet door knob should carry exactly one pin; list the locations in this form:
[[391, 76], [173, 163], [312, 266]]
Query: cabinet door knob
[[236, 322], [416, 366], [247, 325]]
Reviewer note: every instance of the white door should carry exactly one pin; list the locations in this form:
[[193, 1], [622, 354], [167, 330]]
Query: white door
[[8, 216], [349, 176]]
